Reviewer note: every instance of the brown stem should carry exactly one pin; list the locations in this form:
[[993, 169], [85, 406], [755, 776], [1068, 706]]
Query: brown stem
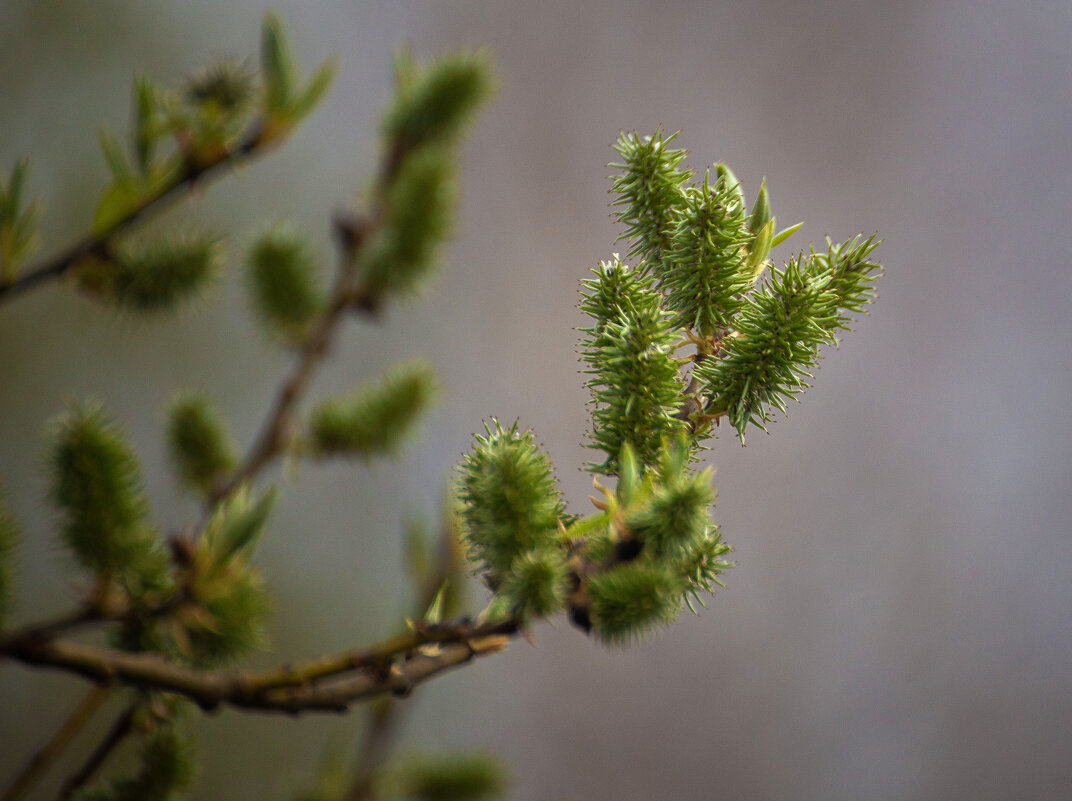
[[186, 178], [272, 439], [40, 762], [328, 683], [123, 726]]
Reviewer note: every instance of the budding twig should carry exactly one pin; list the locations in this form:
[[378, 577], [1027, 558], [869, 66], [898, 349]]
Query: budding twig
[[191, 175], [324, 684]]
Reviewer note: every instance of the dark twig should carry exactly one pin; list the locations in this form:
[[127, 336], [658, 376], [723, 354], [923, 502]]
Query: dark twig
[[40, 762], [122, 727], [331, 683]]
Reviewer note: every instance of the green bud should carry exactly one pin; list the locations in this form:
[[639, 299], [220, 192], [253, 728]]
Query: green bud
[[761, 211], [456, 777], [537, 584], [510, 504], [233, 531], [434, 103], [703, 565], [156, 276], [649, 187], [199, 445], [707, 262], [674, 517], [635, 381], [96, 485], [231, 603], [375, 419], [418, 208], [781, 328], [633, 598], [282, 272], [225, 86], [733, 186]]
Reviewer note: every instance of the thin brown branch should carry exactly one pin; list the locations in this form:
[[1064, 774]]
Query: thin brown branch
[[352, 232], [329, 683], [272, 439], [380, 735], [42, 760], [122, 727], [189, 176]]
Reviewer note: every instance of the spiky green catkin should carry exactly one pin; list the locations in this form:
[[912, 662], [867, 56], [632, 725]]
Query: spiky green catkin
[[455, 777], [702, 564], [96, 485], [616, 290], [635, 381], [537, 583], [225, 86], [418, 209], [675, 517], [510, 504], [633, 598], [9, 537], [199, 445], [649, 186], [232, 618], [377, 418], [166, 766], [155, 276], [434, 103], [707, 262], [282, 272], [780, 330]]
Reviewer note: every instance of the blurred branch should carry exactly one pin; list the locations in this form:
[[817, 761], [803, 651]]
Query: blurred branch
[[122, 727], [192, 175], [395, 665], [42, 760]]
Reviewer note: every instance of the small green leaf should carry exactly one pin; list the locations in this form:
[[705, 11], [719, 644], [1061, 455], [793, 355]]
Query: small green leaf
[[126, 195], [761, 211], [146, 124], [114, 156], [313, 92], [238, 523], [277, 66], [784, 234], [18, 225], [434, 613]]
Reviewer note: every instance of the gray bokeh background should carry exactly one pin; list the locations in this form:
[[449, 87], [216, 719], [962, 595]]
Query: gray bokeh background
[[899, 625]]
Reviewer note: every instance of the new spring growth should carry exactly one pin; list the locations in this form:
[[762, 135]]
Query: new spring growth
[[651, 548]]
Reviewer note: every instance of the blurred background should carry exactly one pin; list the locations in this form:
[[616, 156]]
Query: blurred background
[[899, 625]]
